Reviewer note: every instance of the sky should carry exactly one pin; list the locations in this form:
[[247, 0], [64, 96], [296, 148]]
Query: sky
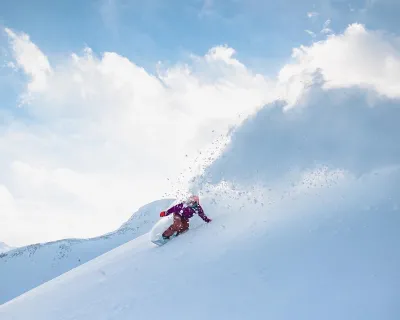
[[108, 105]]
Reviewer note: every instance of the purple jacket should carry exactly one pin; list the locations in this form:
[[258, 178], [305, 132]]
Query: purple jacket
[[187, 212]]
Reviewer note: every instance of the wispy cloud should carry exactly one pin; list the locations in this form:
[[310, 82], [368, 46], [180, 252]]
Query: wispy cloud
[[312, 34], [109, 13], [207, 8], [325, 28], [312, 14]]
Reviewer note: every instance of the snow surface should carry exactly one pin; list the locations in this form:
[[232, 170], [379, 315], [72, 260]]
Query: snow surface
[[306, 214], [25, 268], [4, 247], [312, 255]]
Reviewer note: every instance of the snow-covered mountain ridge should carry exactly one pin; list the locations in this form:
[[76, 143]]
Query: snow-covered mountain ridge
[[24, 268], [4, 247]]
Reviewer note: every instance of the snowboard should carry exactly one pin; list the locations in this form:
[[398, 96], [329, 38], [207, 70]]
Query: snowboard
[[158, 229], [161, 241]]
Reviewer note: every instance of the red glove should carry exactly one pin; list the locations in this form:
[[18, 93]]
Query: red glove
[[208, 220], [162, 214]]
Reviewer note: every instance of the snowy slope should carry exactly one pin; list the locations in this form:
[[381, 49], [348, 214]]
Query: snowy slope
[[306, 213], [25, 268], [4, 247], [326, 253]]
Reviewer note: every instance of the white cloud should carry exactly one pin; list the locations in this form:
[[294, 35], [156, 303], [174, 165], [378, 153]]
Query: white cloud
[[31, 60], [358, 57], [103, 135]]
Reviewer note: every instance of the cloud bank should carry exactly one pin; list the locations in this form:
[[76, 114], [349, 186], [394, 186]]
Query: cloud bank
[[100, 136], [343, 118]]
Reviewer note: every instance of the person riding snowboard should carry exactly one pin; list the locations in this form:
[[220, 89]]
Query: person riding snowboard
[[182, 213]]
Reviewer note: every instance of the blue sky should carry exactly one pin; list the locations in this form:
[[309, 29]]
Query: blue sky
[[263, 32], [102, 129]]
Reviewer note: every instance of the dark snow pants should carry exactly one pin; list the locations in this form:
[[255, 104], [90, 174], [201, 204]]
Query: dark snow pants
[[180, 225]]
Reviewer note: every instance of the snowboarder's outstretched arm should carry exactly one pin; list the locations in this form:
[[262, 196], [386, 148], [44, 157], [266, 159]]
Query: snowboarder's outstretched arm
[[175, 209], [202, 215]]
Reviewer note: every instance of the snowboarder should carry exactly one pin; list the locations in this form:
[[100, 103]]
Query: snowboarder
[[182, 213]]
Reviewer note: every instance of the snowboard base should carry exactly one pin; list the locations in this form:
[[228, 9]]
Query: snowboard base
[[161, 241]]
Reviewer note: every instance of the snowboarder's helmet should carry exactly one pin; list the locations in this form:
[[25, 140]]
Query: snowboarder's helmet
[[193, 199]]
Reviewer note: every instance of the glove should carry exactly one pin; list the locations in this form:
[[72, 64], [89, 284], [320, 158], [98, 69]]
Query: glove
[[162, 214], [208, 220]]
